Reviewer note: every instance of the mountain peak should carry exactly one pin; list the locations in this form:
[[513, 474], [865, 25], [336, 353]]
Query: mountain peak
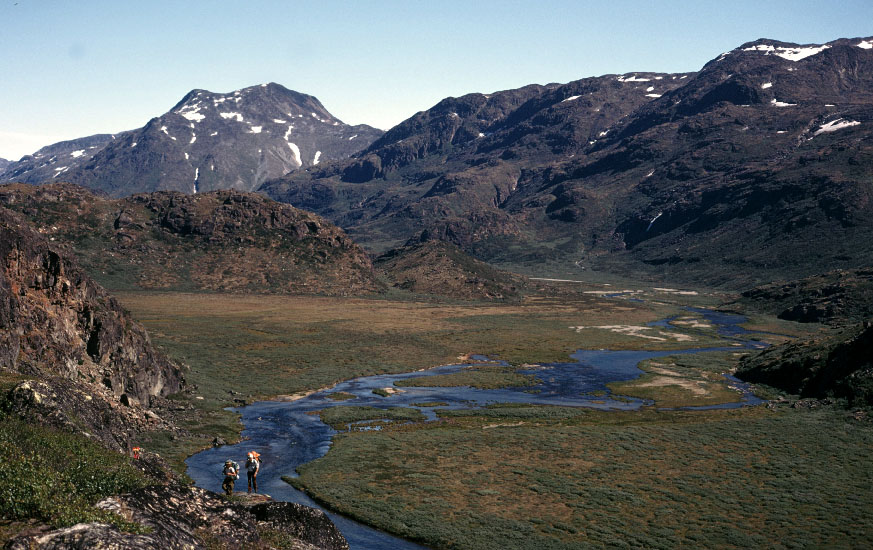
[[207, 141]]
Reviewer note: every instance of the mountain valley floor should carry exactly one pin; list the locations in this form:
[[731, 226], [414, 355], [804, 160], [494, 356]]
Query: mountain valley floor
[[530, 476]]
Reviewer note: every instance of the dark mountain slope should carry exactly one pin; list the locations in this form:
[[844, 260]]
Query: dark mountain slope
[[223, 240], [758, 167], [836, 298], [207, 141], [454, 166]]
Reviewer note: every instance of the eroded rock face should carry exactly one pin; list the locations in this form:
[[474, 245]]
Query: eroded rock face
[[191, 518], [55, 321]]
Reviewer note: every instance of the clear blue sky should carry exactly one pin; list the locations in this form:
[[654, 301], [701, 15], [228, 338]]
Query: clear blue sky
[[75, 68]]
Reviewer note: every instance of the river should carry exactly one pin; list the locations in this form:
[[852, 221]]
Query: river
[[287, 436]]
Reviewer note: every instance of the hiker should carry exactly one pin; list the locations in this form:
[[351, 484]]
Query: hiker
[[231, 474], [253, 464]]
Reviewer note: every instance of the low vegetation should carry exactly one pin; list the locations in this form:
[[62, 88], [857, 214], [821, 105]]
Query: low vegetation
[[531, 477], [56, 477], [516, 475]]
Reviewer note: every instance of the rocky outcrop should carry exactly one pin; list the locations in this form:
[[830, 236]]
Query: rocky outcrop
[[190, 518], [442, 269], [834, 298], [219, 241], [836, 366], [56, 322]]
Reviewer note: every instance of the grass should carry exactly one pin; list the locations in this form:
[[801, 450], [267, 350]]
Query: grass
[[339, 418], [590, 479], [521, 476]]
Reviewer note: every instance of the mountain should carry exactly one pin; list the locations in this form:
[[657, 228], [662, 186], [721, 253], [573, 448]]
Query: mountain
[[3, 164], [755, 168], [220, 241], [452, 168], [207, 141], [54, 160]]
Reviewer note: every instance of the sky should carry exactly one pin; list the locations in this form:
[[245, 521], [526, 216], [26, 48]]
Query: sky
[[75, 68]]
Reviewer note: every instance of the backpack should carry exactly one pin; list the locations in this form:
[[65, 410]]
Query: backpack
[[231, 470]]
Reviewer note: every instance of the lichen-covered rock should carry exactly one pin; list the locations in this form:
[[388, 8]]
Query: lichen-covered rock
[[305, 523], [82, 536], [178, 518]]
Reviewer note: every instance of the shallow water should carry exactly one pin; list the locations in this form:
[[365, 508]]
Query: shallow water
[[286, 436]]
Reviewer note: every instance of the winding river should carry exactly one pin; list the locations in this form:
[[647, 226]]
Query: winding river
[[286, 436]]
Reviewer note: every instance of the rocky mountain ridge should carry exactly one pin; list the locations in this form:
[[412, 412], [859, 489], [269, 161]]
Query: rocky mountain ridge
[[220, 241], [207, 141], [722, 177]]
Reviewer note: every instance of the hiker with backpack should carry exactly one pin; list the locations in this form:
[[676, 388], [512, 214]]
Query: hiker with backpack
[[231, 474], [253, 465]]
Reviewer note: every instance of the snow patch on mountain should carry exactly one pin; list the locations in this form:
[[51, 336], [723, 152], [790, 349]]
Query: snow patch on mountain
[[775, 103], [256, 129], [865, 44], [633, 78], [835, 125], [791, 54], [317, 156], [571, 98], [766, 85], [296, 151], [192, 112], [237, 116], [77, 154]]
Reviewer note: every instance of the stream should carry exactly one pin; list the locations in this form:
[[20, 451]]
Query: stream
[[286, 436]]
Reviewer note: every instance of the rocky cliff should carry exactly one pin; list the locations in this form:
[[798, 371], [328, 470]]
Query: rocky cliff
[[835, 298], [76, 363], [56, 321], [94, 369]]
